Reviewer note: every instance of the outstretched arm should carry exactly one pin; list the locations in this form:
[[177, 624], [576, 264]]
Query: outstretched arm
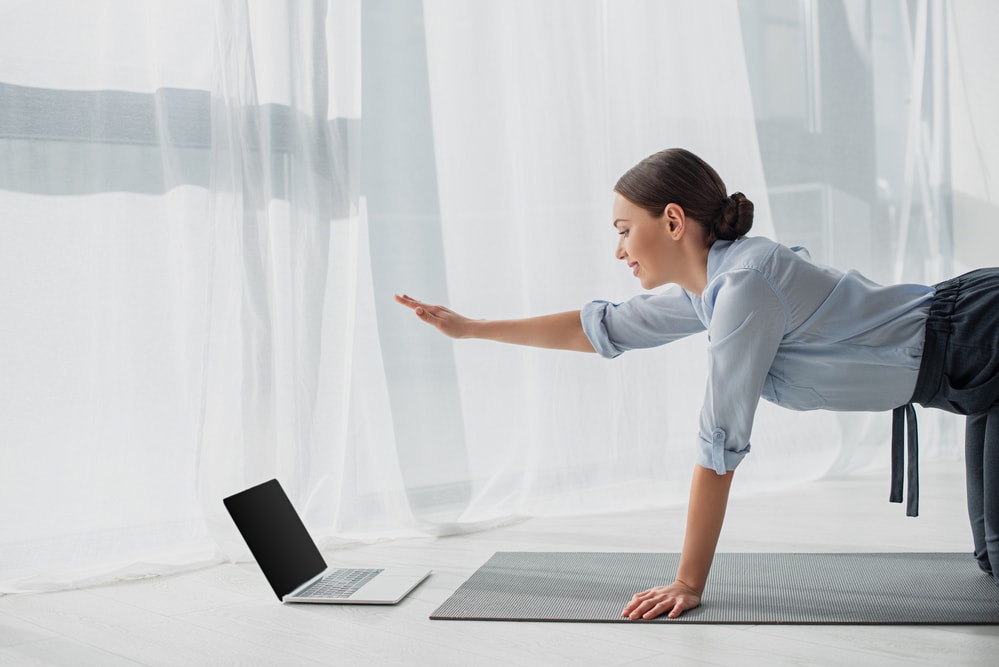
[[705, 513], [561, 331]]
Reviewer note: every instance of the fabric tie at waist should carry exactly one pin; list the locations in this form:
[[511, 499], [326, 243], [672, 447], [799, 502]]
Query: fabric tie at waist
[[900, 418]]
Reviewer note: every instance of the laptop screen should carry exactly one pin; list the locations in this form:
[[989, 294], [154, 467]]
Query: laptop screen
[[276, 536]]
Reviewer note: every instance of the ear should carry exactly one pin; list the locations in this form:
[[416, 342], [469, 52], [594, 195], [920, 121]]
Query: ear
[[676, 221]]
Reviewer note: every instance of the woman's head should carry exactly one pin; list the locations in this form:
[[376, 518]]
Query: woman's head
[[677, 176]]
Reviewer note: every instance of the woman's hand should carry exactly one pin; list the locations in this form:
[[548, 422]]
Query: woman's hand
[[443, 319], [675, 599]]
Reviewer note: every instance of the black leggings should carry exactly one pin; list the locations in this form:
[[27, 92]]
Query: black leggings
[[981, 456], [959, 373]]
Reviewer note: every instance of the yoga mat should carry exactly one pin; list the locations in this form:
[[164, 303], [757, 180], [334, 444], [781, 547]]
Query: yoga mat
[[744, 588]]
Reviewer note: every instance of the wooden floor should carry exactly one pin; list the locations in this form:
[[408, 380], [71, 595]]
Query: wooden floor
[[228, 615]]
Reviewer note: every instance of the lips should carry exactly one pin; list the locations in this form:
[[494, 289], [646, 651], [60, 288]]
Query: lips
[[634, 268]]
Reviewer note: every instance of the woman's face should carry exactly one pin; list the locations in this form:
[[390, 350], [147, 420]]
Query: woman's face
[[645, 244]]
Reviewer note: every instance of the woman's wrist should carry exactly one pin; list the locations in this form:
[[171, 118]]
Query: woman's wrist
[[698, 591]]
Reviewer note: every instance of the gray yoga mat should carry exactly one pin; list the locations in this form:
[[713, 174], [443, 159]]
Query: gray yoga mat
[[748, 588]]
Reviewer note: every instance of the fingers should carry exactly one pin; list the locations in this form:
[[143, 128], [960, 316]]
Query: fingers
[[419, 307], [408, 301], [636, 601], [423, 310], [631, 606], [661, 609], [644, 610], [642, 603]]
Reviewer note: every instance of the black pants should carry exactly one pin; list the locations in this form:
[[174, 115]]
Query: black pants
[[981, 456], [960, 373]]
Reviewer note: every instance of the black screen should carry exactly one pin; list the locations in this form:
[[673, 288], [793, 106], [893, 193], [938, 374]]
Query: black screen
[[276, 536]]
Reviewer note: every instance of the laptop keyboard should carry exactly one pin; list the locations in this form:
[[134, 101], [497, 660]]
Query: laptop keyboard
[[339, 584]]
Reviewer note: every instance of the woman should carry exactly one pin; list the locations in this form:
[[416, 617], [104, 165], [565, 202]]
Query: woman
[[782, 328]]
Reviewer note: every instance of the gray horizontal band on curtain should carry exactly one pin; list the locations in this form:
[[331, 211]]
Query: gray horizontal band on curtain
[[64, 142]]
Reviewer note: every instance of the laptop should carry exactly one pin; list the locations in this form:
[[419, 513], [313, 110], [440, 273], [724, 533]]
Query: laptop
[[290, 560]]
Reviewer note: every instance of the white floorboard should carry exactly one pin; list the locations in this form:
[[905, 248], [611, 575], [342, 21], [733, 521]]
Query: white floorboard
[[227, 614]]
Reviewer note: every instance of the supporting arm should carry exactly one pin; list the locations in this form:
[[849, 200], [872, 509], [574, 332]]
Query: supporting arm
[[705, 514]]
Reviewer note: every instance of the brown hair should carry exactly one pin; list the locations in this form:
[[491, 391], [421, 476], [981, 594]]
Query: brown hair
[[677, 176]]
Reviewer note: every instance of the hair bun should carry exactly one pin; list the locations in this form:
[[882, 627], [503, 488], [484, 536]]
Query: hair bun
[[735, 218]]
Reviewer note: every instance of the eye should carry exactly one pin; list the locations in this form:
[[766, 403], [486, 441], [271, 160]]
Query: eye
[[622, 232]]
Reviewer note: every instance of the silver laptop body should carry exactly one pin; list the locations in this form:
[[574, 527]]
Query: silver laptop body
[[292, 564]]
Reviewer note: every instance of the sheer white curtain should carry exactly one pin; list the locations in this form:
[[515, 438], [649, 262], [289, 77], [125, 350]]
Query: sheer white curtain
[[185, 283], [538, 107], [974, 144], [294, 383], [103, 269]]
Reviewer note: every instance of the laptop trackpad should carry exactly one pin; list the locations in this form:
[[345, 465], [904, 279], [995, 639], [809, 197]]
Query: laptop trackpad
[[390, 586]]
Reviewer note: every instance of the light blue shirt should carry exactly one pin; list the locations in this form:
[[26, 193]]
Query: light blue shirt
[[800, 335]]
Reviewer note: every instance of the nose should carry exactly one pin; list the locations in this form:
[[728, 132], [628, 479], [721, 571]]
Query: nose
[[619, 252]]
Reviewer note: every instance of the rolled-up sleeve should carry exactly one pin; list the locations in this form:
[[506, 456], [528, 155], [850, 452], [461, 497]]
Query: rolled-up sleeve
[[644, 321], [748, 321]]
